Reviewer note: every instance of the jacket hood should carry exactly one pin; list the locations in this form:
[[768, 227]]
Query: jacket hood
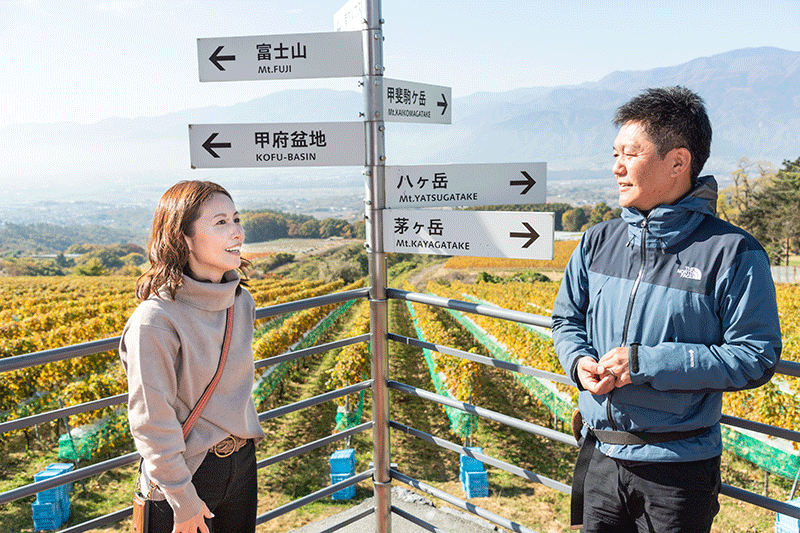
[[669, 224]]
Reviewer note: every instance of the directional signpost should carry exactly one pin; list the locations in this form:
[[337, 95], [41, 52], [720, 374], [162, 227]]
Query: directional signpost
[[466, 185], [301, 144], [356, 50], [519, 235], [350, 17], [272, 57], [408, 101]]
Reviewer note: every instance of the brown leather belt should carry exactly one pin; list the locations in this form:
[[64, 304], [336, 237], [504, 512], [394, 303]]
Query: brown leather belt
[[228, 446]]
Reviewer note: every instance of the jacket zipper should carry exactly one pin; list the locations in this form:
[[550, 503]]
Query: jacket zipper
[[629, 311]]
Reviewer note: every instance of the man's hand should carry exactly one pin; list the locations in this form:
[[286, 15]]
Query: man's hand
[[603, 376], [616, 362], [594, 377]]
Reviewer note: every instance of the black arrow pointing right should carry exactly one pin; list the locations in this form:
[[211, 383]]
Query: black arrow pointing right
[[531, 235], [216, 58], [209, 145], [528, 181], [443, 104]]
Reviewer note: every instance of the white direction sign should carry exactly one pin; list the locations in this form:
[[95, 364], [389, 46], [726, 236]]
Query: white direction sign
[[272, 57], [350, 17], [519, 235], [408, 101], [466, 185], [315, 144]]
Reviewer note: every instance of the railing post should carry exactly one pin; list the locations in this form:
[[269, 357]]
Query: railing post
[[374, 205]]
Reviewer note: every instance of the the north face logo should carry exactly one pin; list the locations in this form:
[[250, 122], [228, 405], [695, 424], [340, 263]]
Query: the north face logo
[[690, 273]]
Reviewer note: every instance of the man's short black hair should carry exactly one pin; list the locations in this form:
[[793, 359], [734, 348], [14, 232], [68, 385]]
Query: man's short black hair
[[673, 117]]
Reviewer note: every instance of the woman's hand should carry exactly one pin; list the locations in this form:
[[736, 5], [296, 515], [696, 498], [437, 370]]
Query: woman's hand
[[195, 524]]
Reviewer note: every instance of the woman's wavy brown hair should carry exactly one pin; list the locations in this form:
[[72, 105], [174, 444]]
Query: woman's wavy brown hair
[[168, 251]]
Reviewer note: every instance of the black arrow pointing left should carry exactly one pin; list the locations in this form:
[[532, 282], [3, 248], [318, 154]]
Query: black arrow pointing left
[[531, 234], [528, 182], [216, 58], [209, 145], [443, 104]]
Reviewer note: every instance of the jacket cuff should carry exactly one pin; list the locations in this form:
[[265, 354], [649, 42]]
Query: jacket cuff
[[633, 358], [573, 373]]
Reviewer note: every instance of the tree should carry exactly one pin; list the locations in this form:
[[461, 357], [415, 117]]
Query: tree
[[598, 213], [106, 256], [772, 215], [574, 219], [360, 229], [748, 179], [614, 213], [335, 227], [93, 267], [259, 227], [309, 229]]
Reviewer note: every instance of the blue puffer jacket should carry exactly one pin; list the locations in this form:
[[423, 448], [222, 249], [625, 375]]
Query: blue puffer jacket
[[696, 295]]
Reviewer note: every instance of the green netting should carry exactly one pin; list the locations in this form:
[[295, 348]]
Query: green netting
[[461, 423], [561, 407], [758, 452], [270, 380], [84, 441], [346, 419], [78, 447], [275, 323], [81, 443]]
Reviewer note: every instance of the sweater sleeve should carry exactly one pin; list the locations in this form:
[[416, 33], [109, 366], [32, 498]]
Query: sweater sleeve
[[149, 356]]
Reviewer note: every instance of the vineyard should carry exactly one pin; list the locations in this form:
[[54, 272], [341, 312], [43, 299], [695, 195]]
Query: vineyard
[[42, 313]]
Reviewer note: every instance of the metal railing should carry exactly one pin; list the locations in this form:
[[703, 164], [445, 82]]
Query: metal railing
[[784, 367], [38, 358], [93, 347]]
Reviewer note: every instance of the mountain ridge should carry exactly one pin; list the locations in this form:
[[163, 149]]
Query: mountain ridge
[[752, 95]]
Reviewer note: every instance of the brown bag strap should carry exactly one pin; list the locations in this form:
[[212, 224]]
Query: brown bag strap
[[201, 403]]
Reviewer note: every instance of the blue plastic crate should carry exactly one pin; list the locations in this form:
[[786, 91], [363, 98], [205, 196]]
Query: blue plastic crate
[[476, 484], [470, 464], [788, 524], [346, 493], [49, 496], [46, 509], [343, 461], [62, 468], [57, 493], [46, 515], [65, 510], [45, 524]]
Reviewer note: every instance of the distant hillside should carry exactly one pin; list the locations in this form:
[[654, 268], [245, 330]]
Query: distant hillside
[[753, 97], [52, 239]]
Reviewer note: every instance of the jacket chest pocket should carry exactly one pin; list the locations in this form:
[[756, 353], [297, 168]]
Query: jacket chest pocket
[[601, 321]]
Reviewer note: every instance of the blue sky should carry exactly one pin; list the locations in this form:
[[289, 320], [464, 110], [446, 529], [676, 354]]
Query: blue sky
[[87, 60]]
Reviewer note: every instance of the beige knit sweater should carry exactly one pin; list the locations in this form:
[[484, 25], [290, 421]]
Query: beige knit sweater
[[170, 351]]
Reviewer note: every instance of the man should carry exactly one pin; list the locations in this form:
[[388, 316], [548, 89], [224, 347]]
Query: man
[[659, 313]]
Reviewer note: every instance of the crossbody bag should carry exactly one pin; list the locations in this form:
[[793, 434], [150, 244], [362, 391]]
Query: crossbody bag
[[142, 502]]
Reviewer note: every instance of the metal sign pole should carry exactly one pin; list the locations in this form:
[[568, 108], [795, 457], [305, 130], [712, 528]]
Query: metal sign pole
[[375, 202]]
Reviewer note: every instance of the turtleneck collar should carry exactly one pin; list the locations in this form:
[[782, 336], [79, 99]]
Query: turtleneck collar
[[208, 296], [669, 224]]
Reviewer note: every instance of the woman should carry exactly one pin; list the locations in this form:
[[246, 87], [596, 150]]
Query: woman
[[171, 348]]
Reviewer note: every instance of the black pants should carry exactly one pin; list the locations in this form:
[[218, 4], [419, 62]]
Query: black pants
[[625, 497], [227, 486]]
